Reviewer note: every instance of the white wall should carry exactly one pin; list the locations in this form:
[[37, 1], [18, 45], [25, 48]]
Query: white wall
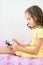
[[12, 20]]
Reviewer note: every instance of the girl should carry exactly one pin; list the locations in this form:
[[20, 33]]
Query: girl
[[34, 17]]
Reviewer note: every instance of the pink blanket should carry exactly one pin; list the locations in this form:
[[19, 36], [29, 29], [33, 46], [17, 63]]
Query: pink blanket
[[8, 59]]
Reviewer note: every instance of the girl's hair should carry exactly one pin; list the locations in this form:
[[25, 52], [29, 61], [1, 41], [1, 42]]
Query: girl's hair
[[37, 13]]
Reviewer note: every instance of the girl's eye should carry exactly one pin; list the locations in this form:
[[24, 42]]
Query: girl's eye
[[28, 18]]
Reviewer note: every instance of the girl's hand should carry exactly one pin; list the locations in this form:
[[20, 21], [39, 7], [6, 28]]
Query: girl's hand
[[15, 47], [15, 41]]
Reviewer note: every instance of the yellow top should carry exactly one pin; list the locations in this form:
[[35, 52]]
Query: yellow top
[[37, 33]]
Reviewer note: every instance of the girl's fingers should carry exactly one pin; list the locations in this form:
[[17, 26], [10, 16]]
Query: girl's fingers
[[13, 39]]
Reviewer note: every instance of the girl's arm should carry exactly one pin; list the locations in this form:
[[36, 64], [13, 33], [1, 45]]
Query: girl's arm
[[20, 44], [28, 50]]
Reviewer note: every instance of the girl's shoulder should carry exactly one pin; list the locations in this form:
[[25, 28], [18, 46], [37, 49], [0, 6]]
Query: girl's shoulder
[[39, 32], [39, 29]]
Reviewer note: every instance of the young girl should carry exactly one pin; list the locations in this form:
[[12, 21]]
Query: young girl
[[34, 17]]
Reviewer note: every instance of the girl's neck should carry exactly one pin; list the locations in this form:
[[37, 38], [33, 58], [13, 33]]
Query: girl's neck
[[37, 27]]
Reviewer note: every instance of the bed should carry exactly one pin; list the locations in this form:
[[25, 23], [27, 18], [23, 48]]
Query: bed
[[8, 59]]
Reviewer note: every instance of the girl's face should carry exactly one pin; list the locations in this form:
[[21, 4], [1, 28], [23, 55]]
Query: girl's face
[[30, 20]]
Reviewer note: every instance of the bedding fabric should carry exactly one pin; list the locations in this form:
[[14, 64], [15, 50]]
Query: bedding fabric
[[8, 59]]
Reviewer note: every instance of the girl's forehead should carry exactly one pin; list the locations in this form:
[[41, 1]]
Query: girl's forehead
[[27, 14]]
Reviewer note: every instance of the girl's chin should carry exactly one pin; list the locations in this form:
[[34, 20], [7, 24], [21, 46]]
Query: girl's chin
[[30, 27]]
